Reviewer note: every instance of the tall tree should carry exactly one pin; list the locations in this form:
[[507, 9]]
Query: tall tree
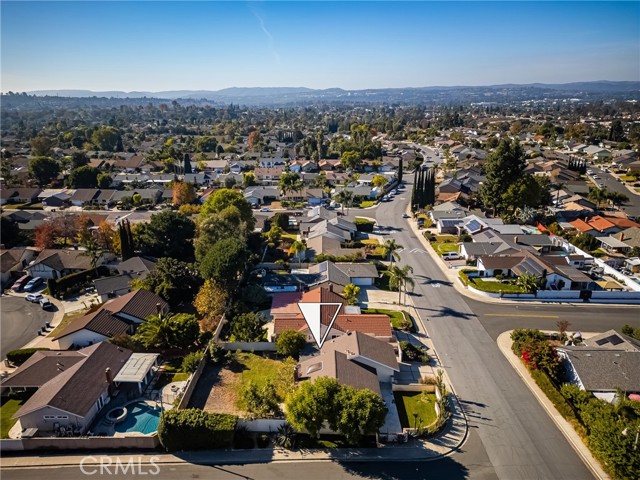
[[84, 177], [167, 234], [43, 170], [505, 165], [390, 249], [298, 248], [290, 182], [224, 262], [400, 277]]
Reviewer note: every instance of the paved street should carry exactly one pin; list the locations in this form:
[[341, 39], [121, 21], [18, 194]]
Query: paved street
[[519, 438], [20, 321], [632, 207], [471, 463]]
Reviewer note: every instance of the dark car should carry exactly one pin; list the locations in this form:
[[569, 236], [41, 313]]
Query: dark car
[[20, 283]]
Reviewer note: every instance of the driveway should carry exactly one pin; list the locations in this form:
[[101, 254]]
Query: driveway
[[20, 321]]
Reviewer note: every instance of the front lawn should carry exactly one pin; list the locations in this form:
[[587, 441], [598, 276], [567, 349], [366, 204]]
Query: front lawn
[[445, 244], [367, 203], [495, 287], [416, 409], [398, 321], [68, 317], [8, 408]]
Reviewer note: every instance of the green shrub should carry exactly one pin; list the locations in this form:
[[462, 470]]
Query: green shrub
[[191, 361], [290, 343], [520, 336], [194, 429], [562, 405], [72, 283], [413, 353], [364, 225], [18, 357]]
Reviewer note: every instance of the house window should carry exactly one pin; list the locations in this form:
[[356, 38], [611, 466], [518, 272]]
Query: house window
[[49, 417], [62, 417]]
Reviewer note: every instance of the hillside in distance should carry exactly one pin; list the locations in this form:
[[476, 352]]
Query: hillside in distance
[[599, 90]]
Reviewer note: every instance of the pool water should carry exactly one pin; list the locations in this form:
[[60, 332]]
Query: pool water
[[141, 418]]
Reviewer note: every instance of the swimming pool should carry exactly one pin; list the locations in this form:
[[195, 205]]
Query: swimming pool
[[141, 417]]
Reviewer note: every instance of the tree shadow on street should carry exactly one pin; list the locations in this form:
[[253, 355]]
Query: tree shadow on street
[[445, 468]]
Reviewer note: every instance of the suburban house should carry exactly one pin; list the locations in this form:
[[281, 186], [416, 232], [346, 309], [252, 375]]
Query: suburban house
[[72, 387], [13, 261], [342, 274], [18, 195], [606, 364], [287, 315], [135, 268], [355, 359], [116, 317], [259, 195], [51, 263], [328, 245], [596, 226]]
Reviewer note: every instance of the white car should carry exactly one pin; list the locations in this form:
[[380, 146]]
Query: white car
[[33, 297], [265, 209]]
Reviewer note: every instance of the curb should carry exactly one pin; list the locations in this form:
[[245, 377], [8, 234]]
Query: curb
[[504, 344]]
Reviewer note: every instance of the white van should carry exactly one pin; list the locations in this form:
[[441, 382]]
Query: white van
[[451, 256]]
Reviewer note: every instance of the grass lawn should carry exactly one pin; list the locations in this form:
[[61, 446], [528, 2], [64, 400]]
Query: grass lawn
[[250, 367], [180, 377], [416, 408], [68, 317], [443, 248], [628, 178], [496, 287], [367, 203], [396, 316], [370, 241], [7, 409]]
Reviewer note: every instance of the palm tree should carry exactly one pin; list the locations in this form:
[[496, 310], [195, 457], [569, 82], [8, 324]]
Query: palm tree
[[344, 196], [390, 248], [94, 251], [557, 187], [399, 277], [297, 248], [597, 195], [290, 182], [350, 293], [528, 283], [157, 331]]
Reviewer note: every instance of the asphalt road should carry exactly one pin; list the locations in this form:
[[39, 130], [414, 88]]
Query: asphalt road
[[519, 438], [470, 463], [632, 207], [19, 320]]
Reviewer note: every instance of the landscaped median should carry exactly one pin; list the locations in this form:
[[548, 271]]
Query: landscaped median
[[598, 430]]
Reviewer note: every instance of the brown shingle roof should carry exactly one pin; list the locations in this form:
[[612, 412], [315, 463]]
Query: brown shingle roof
[[77, 389], [41, 367], [107, 320]]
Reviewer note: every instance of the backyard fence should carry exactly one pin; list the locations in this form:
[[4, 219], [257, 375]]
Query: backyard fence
[[80, 443], [192, 382]]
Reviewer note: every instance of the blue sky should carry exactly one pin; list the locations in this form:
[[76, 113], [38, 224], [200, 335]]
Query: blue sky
[[157, 46]]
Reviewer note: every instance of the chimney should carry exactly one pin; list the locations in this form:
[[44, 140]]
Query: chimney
[[515, 239], [107, 373], [621, 236], [331, 287]]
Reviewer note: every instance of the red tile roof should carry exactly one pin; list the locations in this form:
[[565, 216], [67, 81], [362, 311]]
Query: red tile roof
[[376, 325]]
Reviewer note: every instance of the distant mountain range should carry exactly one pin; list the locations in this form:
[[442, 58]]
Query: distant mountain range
[[294, 95]]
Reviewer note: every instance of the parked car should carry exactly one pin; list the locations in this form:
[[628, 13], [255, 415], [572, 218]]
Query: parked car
[[34, 283], [451, 256], [405, 215], [33, 297], [20, 283], [46, 304]]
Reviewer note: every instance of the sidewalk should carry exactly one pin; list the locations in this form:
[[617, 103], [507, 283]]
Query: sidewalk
[[504, 343]]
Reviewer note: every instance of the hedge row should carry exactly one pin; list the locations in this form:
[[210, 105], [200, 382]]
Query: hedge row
[[71, 283], [364, 225], [195, 429], [18, 357]]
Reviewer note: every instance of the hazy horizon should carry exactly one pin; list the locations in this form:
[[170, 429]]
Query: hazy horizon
[[164, 46]]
